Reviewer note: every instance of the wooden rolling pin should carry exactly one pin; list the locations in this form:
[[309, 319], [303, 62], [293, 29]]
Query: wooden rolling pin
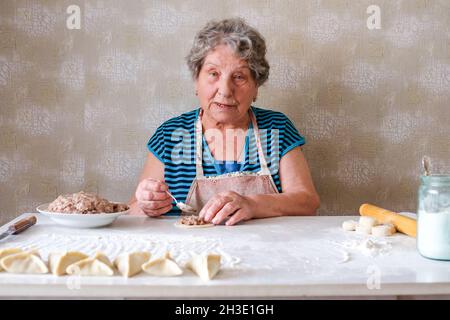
[[402, 224]]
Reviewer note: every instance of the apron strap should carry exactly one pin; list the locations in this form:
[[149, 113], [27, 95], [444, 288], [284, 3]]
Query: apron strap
[[199, 150], [262, 158], [198, 147]]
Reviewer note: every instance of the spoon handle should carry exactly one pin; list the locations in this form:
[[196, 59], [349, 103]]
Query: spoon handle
[[426, 165], [172, 196]]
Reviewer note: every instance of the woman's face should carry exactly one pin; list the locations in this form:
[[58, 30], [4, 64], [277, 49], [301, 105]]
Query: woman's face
[[225, 86]]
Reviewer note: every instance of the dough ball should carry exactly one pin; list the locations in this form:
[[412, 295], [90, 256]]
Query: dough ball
[[383, 230], [363, 229], [368, 222], [349, 225]]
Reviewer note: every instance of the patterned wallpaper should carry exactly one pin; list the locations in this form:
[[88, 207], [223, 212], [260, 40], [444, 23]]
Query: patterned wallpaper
[[78, 106]]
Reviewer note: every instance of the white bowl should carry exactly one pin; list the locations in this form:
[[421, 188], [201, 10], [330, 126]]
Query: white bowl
[[78, 220]]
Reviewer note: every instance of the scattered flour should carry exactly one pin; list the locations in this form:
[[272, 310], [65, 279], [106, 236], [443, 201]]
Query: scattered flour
[[369, 247], [345, 257]]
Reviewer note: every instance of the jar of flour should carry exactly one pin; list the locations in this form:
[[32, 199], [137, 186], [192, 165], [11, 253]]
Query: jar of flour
[[433, 226]]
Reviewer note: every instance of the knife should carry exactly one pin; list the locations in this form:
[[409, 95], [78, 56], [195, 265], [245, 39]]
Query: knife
[[19, 226]]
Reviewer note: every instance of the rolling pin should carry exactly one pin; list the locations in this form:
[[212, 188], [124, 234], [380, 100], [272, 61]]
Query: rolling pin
[[402, 224]]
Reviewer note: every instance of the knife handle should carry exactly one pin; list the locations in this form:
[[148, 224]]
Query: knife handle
[[22, 225]]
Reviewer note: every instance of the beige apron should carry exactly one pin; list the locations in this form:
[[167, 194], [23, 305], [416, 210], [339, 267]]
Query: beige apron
[[244, 183]]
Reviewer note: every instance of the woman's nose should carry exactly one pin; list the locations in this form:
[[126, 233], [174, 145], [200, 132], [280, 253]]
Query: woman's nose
[[225, 88]]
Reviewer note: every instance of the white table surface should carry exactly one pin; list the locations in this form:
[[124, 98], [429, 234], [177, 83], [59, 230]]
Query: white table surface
[[286, 257]]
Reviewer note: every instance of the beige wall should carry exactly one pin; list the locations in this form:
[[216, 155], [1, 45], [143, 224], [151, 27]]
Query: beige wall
[[78, 106]]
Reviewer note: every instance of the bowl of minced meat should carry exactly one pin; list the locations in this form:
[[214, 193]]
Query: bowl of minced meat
[[83, 210]]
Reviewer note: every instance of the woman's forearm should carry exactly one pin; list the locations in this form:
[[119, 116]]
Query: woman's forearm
[[285, 204]]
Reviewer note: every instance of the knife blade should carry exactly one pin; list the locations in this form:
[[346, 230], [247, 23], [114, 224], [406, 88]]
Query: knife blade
[[19, 227]]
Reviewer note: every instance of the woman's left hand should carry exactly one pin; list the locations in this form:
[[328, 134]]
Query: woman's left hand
[[228, 204]]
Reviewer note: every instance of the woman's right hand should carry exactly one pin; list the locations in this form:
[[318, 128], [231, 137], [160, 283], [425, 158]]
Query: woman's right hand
[[152, 197]]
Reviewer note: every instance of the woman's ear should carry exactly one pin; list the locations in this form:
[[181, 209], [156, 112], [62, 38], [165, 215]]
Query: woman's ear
[[256, 95]]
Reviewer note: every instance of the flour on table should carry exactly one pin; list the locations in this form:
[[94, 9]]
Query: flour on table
[[369, 247], [345, 257]]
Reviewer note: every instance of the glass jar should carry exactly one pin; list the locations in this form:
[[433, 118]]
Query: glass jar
[[433, 226]]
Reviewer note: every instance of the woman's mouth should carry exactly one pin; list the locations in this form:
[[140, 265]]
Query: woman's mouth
[[224, 106]]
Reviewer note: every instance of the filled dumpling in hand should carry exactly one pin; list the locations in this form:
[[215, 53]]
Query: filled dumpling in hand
[[24, 262], [206, 266], [99, 265], [58, 262], [163, 266], [130, 264]]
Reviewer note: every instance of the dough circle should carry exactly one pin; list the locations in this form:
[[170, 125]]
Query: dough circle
[[195, 226], [367, 222], [383, 230], [362, 229], [349, 225]]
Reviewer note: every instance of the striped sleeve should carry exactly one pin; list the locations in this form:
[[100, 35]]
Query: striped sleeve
[[290, 138], [157, 145]]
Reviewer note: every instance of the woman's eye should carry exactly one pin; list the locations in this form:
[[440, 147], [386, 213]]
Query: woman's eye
[[213, 74], [239, 77]]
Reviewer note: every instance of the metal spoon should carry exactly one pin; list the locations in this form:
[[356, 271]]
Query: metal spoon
[[426, 165], [181, 205]]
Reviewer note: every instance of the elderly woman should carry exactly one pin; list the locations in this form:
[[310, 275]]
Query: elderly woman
[[229, 160]]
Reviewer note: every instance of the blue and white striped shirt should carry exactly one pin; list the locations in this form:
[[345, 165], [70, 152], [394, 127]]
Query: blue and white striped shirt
[[173, 144]]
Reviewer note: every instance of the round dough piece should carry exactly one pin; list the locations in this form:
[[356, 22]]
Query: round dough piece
[[385, 230], [368, 222], [186, 226], [349, 225], [362, 229]]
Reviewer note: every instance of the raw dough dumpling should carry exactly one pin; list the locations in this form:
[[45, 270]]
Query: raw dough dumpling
[[58, 262], [349, 225], [367, 222], [24, 262], [130, 264], [6, 252], [99, 265], [205, 266], [103, 258], [163, 266], [383, 230]]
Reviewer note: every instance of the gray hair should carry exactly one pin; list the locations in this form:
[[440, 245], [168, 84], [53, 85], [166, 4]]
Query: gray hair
[[246, 41]]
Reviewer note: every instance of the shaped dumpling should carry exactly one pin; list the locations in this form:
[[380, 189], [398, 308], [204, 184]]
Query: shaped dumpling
[[99, 265], [103, 258], [130, 264], [24, 262], [6, 252], [163, 266], [205, 266], [58, 262]]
